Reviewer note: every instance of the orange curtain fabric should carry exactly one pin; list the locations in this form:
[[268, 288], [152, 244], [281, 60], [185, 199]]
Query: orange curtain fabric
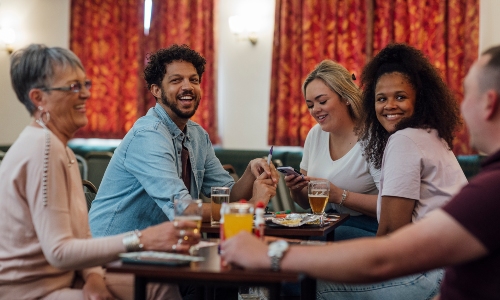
[[447, 31], [106, 35], [189, 22], [306, 32]]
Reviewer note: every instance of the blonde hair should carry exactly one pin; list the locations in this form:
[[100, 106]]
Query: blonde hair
[[339, 80]]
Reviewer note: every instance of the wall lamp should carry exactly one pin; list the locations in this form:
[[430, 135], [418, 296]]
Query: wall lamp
[[245, 28], [8, 38]]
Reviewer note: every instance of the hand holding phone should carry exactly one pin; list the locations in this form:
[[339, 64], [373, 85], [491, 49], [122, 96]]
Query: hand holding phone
[[290, 171]]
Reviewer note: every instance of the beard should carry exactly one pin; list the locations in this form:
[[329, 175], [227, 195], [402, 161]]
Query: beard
[[173, 105]]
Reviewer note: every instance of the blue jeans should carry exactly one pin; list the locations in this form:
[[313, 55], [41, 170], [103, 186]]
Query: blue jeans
[[420, 286]]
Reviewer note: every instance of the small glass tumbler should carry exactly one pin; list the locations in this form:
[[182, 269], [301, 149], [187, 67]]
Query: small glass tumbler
[[219, 195], [188, 210]]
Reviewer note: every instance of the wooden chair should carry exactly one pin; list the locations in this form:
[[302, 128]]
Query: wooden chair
[[97, 163], [90, 193]]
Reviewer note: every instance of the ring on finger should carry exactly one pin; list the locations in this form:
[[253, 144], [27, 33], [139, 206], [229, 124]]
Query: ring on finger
[[174, 247], [179, 241], [182, 232], [176, 224], [186, 237]]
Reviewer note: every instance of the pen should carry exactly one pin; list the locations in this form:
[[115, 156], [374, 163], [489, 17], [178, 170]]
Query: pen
[[270, 156]]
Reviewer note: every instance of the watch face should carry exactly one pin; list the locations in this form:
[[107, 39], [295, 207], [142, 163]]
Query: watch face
[[281, 245], [277, 248]]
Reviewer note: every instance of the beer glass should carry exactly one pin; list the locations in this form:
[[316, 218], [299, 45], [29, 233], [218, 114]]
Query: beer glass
[[188, 210], [219, 195], [318, 192]]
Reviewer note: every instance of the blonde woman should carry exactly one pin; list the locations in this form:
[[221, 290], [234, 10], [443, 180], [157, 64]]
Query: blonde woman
[[332, 151]]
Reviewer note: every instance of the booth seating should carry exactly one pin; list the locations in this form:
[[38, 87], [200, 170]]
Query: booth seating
[[98, 152]]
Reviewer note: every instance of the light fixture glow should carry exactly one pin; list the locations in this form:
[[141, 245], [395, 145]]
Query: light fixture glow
[[148, 7]]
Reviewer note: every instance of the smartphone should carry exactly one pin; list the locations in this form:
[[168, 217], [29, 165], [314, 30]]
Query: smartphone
[[289, 171]]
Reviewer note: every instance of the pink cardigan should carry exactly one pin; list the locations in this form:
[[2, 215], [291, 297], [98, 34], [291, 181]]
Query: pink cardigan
[[41, 247]]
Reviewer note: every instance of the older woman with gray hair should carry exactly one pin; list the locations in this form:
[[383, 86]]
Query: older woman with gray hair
[[46, 242]]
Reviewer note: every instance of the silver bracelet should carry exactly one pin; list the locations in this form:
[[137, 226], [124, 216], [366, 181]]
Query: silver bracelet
[[344, 196], [132, 241]]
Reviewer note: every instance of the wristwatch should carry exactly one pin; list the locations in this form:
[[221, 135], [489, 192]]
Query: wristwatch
[[276, 251]]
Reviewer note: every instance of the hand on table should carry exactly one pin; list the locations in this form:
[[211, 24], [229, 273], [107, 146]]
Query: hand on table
[[176, 236], [245, 250]]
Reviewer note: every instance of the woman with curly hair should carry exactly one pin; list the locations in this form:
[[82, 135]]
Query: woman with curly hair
[[409, 135], [410, 117]]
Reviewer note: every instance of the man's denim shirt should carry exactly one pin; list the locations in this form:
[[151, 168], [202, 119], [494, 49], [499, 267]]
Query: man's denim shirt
[[144, 175]]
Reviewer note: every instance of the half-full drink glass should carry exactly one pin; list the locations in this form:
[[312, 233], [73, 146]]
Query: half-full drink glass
[[318, 192], [238, 218], [188, 210], [219, 195]]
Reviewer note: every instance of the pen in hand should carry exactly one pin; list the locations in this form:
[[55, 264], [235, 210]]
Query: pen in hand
[[270, 156]]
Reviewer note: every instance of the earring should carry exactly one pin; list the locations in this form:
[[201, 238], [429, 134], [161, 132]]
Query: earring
[[347, 103], [40, 119]]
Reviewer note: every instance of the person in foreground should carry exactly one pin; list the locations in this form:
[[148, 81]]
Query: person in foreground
[[461, 236], [166, 156], [46, 249], [332, 151]]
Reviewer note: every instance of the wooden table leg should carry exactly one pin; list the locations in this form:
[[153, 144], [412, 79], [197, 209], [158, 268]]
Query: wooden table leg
[[308, 289], [140, 288]]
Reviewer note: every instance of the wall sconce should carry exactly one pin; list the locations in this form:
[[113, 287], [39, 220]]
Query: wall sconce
[[8, 38], [244, 28]]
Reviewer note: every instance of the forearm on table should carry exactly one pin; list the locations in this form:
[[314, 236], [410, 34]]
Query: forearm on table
[[365, 204], [76, 253], [361, 261]]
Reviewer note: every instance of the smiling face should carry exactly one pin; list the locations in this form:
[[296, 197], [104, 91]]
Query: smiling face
[[67, 109], [394, 99], [326, 106], [180, 92]]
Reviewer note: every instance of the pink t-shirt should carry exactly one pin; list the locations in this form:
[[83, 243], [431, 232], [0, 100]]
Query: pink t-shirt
[[418, 165], [42, 246]]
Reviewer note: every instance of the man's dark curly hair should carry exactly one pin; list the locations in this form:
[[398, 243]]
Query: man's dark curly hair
[[435, 104], [157, 62]]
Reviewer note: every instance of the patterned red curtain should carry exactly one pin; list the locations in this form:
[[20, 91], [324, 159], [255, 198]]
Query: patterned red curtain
[[106, 35], [189, 22], [447, 31], [306, 32]]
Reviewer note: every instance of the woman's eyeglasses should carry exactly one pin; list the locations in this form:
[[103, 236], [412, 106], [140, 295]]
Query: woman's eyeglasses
[[75, 87]]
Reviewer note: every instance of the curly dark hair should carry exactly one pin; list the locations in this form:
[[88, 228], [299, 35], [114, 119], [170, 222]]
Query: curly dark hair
[[157, 62], [435, 104]]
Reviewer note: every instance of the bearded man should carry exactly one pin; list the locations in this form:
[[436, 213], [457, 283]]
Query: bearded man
[[166, 156]]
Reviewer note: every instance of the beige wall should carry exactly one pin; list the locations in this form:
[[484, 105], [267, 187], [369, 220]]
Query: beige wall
[[35, 21], [489, 22], [244, 70]]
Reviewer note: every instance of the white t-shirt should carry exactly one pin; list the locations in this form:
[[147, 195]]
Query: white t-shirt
[[350, 172], [418, 165]]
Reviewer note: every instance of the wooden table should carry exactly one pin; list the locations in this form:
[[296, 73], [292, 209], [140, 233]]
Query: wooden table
[[302, 232], [210, 273]]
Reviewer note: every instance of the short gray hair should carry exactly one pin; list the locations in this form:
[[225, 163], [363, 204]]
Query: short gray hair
[[34, 67], [339, 80]]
